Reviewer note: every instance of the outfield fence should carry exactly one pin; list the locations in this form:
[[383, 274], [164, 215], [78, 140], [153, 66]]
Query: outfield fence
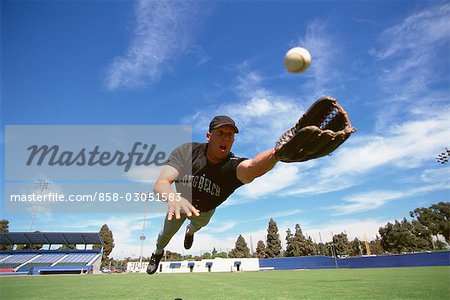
[[379, 261]]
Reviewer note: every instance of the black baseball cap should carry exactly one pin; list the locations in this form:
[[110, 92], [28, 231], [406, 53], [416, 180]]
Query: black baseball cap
[[219, 121]]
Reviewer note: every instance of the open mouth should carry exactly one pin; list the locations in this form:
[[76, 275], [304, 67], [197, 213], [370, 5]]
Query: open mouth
[[223, 147]]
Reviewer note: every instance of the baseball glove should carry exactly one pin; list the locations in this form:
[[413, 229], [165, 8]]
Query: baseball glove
[[320, 131]]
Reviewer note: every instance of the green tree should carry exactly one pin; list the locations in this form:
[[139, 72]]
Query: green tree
[[341, 244], [108, 244], [172, 256], [331, 248], [422, 235], [394, 238], [307, 247], [241, 249], [222, 254], [68, 247], [260, 249], [323, 249], [29, 247], [389, 239], [375, 246], [4, 227], [273, 243], [214, 252], [356, 247], [405, 237], [297, 244], [290, 244], [436, 218]]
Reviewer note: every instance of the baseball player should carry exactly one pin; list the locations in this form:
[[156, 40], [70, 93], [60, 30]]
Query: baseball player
[[206, 174]]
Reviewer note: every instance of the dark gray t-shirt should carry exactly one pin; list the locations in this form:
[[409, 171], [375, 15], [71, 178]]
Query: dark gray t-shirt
[[206, 185]]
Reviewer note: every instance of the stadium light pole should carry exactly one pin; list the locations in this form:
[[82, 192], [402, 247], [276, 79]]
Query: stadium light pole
[[359, 247], [142, 236], [320, 238], [41, 185], [333, 250]]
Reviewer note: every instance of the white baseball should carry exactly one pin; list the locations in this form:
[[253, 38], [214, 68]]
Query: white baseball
[[297, 60]]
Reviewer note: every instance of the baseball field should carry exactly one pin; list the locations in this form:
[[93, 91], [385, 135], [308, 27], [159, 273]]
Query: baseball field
[[382, 283]]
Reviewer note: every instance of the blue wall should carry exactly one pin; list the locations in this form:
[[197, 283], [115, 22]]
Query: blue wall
[[382, 261], [304, 262]]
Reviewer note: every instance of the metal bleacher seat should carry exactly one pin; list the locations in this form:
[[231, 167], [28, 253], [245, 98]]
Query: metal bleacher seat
[[3, 256], [15, 260], [76, 259], [42, 260]]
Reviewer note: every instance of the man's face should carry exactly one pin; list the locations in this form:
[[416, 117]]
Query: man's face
[[220, 141]]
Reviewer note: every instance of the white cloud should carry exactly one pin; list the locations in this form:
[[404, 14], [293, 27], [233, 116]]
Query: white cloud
[[126, 229], [360, 228], [404, 146], [355, 228], [436, 175], [311, 184], [282, 214], [374, 199], [413, 61], [418, 32], [143, 174], [217, 234], [323, 71], [164, 30], [222, 226], [282, 176]]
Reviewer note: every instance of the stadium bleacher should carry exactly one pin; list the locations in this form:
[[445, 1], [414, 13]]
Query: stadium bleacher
[[13, 262], [41, 260]]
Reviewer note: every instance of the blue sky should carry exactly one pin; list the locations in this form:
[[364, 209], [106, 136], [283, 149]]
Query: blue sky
[[177, 62]]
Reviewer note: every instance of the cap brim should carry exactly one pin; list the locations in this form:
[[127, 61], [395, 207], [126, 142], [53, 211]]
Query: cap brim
[[236, 130]]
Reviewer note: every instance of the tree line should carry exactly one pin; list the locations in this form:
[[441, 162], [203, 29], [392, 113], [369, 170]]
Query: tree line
[[404, 236]]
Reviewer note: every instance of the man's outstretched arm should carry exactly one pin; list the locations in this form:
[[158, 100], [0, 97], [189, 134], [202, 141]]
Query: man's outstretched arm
[[259, 165]]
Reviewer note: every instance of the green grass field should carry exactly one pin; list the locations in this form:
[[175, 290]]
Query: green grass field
[[386, 283]]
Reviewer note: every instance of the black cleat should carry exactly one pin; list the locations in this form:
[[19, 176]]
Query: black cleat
[[188, 240], [154, 263]]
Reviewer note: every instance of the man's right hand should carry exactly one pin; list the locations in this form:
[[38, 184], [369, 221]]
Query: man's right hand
[[175, 204], [174, 208]]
